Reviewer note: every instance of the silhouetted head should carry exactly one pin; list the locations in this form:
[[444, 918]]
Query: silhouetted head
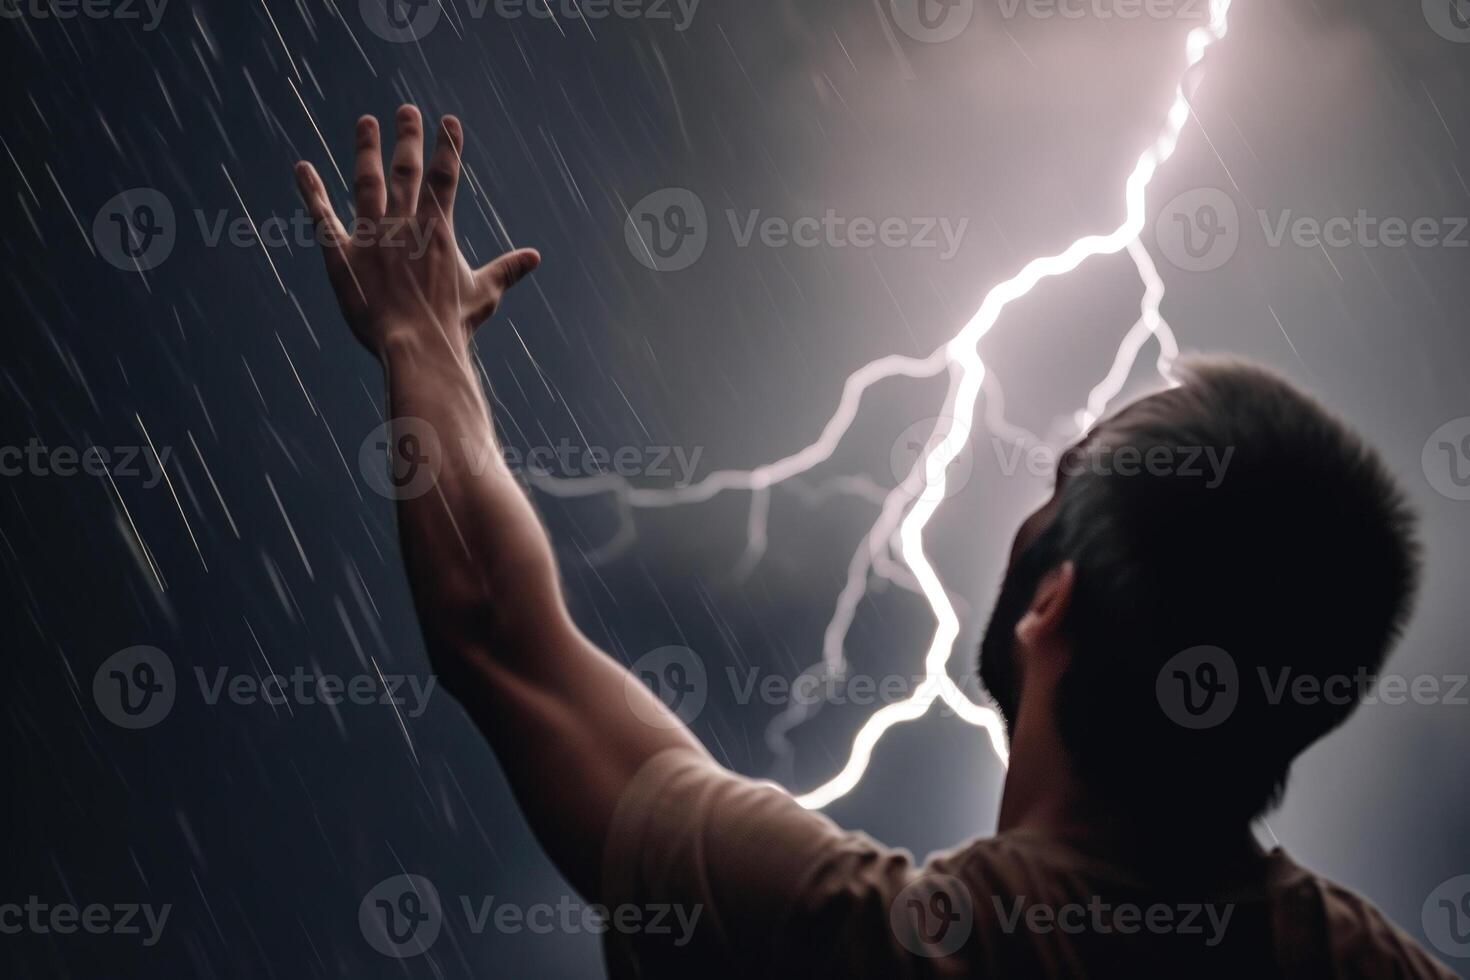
[[1211, 555]]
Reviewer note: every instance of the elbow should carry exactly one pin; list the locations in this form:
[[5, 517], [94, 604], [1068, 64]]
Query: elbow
[[503, 616]]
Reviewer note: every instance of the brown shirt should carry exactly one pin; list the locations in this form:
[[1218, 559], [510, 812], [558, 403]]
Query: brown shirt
[[709, 874]]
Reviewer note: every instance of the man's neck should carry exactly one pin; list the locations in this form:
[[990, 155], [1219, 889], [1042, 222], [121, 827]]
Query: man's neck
[[1044, 796]]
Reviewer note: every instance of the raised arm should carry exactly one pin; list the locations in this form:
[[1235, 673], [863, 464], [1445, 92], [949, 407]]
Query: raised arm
[[570, 725]]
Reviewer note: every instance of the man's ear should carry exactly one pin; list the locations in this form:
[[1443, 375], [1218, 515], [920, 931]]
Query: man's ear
[[1041, 627]]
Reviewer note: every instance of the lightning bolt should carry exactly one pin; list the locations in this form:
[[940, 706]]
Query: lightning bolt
[[905, 512]]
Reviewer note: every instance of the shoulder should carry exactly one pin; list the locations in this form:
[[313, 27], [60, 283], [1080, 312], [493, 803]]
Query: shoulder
[[1362, 940], [1014, 863]]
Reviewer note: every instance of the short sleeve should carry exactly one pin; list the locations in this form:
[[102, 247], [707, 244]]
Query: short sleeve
[[734, 869]]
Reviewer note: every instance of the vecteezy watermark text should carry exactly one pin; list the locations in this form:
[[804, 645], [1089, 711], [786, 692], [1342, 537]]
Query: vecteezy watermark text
[[1200, 230], [128, 10], [408, 21], [303, 687], [37, 458], [677, 676], [136, 688], [138, 229], [402, 916], [96, 918], [1105, 9], [1200, 687], [1099, 917], [669, 229], [1199, 462], [834, 230], [1363, 230], [934, 915], [402, 458]]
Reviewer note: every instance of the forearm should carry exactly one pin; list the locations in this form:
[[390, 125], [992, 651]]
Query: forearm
[[479, 563], [569, 724]]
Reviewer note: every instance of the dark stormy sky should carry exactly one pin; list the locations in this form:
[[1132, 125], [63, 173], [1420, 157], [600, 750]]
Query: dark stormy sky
[[267, 551]]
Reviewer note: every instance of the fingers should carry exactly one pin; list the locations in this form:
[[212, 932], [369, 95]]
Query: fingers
[[329, 230], [367, 180], [506, 271], [492, 280], [314, 195], [437, 199], [408, 162]]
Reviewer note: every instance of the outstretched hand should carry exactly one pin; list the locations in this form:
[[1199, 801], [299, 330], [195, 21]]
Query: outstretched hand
[[399, 275], [480, 566]]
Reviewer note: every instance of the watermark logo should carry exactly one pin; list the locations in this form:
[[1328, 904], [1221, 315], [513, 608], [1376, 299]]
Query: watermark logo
[[570, 461], [135, 688], [677, 677], [667, 230], [401, 916], [1199, 687], [135, 231], [836, 688], [1199, 230], [400, 459], [138, 230], [932, 21], [1450, 19], [414, 457], [1446, 459], [1446, 917], [924, 439], [400, 21], [933, 915]]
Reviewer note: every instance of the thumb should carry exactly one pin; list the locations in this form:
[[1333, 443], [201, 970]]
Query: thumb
[[509, 269]]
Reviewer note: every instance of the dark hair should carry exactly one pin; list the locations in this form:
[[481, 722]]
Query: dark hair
[[1297, 558]]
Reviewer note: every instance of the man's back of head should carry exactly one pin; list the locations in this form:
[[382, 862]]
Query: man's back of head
[[1207, 550], [1242, 565]]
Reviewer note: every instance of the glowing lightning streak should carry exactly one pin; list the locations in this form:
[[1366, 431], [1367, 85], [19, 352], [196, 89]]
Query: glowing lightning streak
[[963, 351], [926, 482], [870, 556], [1150, 324], [768, 474]]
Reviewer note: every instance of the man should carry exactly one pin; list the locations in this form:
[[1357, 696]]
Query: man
[[1205, 550]]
